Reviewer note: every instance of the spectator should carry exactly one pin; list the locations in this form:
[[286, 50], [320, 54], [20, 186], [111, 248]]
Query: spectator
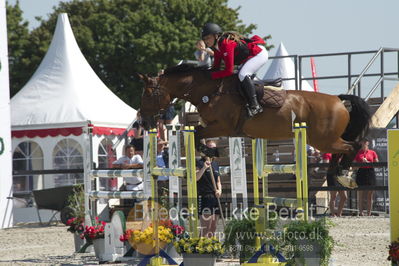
[[365, 176], [138, 132], [332, 182], [129, 161], [314, 156], [203, 54], [163, 181], [207, 196], [166, 119]]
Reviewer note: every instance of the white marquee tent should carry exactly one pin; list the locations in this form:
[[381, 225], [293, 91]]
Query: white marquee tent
[[50, 114], [285, 68]]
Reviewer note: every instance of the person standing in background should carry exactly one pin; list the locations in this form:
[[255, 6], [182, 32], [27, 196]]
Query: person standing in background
[[138, 132], [130, 161], [163, 181], [332, 182], [207, 195], [366, 176]]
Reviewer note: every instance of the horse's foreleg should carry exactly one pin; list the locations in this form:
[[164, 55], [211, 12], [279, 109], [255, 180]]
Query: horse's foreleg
[[213, 130], [207, 132], [201, 147]]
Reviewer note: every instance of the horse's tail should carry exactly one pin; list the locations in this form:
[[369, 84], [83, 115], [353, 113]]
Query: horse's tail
[[360, 117]]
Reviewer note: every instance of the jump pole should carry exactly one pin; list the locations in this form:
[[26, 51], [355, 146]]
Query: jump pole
[[266, 255], [189, 144], [190, 173], [393, 173]]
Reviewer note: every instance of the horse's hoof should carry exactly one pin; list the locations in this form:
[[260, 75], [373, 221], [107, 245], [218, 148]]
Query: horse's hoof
[[347, 181], [209, 152]]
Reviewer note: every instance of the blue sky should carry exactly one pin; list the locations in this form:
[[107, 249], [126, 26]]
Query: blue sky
[[307, 27]]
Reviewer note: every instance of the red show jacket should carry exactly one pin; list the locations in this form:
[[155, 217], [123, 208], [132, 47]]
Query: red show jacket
[[227, 52], [370, 155]]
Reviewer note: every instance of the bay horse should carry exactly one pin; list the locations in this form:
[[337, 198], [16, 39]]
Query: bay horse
[[331, 126]]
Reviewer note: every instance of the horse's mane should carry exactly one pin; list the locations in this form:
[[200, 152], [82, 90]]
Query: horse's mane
[[184, 68]]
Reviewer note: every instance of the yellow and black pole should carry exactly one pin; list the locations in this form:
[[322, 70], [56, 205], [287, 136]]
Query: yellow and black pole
[[393, 174], [257, 168], [189, 143], [156, 260], [301, 170]]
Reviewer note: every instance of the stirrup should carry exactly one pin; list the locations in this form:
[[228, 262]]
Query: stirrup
[[249, 111], [256, 110]]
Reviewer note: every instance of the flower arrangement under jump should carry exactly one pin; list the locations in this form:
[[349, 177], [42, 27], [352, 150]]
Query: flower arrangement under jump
[[137, 236], [394, 252], [199, 245], [76, 225], [95, 231], [167, 231]]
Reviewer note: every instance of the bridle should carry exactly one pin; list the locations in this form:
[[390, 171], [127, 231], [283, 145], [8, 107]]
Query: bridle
[[187, 95], [157, 93]]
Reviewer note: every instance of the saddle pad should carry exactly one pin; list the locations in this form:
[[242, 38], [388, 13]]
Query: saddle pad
[[271, 98]]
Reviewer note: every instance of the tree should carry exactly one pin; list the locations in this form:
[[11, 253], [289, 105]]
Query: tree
[[120, 38], [18, 40]]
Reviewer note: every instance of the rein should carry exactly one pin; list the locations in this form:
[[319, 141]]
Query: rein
[[188, 94], [220, 91]]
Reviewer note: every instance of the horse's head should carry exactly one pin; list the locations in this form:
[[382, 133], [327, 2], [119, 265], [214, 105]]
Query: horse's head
[[154, 101]]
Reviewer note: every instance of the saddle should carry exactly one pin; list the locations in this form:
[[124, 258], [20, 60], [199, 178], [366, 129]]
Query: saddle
[[270, 93], [267, 82]]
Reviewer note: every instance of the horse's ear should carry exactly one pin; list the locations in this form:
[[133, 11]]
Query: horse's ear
[[142, 77]]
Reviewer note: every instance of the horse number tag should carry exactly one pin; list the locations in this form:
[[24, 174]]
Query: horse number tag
[[205, 99]]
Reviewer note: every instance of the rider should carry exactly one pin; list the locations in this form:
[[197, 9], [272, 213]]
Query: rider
[[234, 49]]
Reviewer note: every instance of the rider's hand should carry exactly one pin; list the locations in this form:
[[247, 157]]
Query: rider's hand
[[201, 46]]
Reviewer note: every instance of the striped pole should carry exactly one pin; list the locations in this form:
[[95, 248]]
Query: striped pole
[[301, 164], [304, 170], [257, 162], [191, 180], [154, 188]]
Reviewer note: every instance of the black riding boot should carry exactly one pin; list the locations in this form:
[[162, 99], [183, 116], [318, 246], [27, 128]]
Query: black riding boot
[[249, 90]]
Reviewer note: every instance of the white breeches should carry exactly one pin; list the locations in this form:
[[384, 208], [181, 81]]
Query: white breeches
[[253, 64]]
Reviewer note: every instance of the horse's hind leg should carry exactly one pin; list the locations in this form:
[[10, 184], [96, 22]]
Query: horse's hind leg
[[340, 146], [347, 159], [346, 151], [344, 177]]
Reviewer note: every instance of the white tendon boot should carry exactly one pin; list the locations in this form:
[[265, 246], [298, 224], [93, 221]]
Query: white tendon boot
[[347, 179]]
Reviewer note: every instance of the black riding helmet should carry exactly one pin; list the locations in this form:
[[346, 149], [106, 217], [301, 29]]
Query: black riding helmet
[[210, 28]]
